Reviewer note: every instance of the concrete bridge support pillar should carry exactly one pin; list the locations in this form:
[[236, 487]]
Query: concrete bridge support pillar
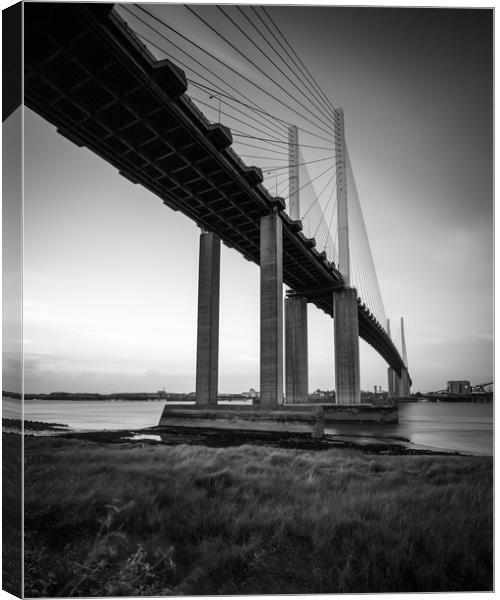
[[207, 351], [271, 310], [404, 383], [391, 382], [346, 332], [397, 385], [296, 367]]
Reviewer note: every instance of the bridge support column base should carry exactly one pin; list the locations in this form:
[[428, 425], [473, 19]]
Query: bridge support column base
[[296, 368], [346, 335], [391, 382], [403, 389], [271, 310], [207, 350]]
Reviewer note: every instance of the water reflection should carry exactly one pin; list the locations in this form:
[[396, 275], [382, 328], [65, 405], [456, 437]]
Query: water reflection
[[145, 436], [465, 427]]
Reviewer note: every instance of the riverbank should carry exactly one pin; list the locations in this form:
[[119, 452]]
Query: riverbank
[[452, 427], [134, 517], [218, 438]]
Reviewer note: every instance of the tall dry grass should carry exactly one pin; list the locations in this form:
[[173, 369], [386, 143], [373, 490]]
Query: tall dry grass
[[157, 520], [12, 557]]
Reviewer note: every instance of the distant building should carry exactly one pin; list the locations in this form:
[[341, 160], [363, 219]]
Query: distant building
[[322, 396], [250, 394], [458, 387]]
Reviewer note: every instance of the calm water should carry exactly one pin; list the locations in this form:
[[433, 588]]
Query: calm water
[[465, 427], [451, 426]]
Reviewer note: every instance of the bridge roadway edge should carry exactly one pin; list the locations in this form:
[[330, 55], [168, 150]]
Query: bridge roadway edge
[[241, 196]]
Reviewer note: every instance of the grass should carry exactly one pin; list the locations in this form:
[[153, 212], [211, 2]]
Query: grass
[[191, 520], [11, 513]]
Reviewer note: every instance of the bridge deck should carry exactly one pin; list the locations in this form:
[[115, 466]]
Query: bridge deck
[[86, 73]]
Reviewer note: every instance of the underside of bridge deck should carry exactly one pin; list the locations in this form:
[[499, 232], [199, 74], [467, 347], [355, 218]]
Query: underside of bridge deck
[[86, 73]]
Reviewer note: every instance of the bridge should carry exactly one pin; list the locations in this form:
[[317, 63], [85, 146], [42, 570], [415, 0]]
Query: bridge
[[97, 81]]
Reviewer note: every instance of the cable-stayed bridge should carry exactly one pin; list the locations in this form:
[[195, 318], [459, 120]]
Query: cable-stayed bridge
[[224, 122]]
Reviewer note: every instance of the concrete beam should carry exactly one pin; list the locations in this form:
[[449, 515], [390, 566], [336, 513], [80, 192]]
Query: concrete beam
[[207, 350], [346, 331], [316, 291], [296, 367], [271, 310]]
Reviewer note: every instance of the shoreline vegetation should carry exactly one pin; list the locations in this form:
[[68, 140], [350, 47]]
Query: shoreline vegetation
[[107, 514]]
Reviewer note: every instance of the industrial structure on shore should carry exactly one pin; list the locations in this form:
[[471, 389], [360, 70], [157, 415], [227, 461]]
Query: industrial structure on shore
[[463, 391]]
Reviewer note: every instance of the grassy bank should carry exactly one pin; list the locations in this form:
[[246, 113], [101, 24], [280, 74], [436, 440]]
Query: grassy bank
[[11, 513], [132, 520]]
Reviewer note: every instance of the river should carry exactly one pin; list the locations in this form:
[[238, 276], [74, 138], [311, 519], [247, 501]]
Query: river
[[465, 427]]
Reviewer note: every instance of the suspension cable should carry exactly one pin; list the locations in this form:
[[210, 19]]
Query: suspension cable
[[334, 113], [220, 91], [205, 22], [308, 96]]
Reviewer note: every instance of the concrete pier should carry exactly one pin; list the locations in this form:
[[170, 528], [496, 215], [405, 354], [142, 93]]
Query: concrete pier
[[346, 331], [271, 310], [296, 364], [404, 380], [403, 384], [285, 419], [391, 374], [391, 382], [207, 349]]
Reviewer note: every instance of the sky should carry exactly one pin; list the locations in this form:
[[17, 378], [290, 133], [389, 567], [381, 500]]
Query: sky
[[110, 274]]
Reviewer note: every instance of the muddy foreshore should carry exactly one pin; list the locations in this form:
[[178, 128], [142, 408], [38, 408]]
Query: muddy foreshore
[[217, 438]]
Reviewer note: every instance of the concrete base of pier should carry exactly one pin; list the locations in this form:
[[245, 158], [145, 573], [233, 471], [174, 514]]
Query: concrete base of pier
[[360, 413], [346, 331], [391, 382], [288, 419], [271, 310], [403, 384], [207, 352], [296, 375], [296, 418]]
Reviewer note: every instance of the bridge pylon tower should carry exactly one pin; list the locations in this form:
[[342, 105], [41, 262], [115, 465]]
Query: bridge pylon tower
[[399, 385], [345, 304], [293, 173], [404, 379], [392, 378], [296, 360]]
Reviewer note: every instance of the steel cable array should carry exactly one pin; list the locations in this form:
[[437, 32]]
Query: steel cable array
[[258, 89], [363, 273]]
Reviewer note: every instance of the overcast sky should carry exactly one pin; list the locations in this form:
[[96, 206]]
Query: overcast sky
[[110, 281]]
